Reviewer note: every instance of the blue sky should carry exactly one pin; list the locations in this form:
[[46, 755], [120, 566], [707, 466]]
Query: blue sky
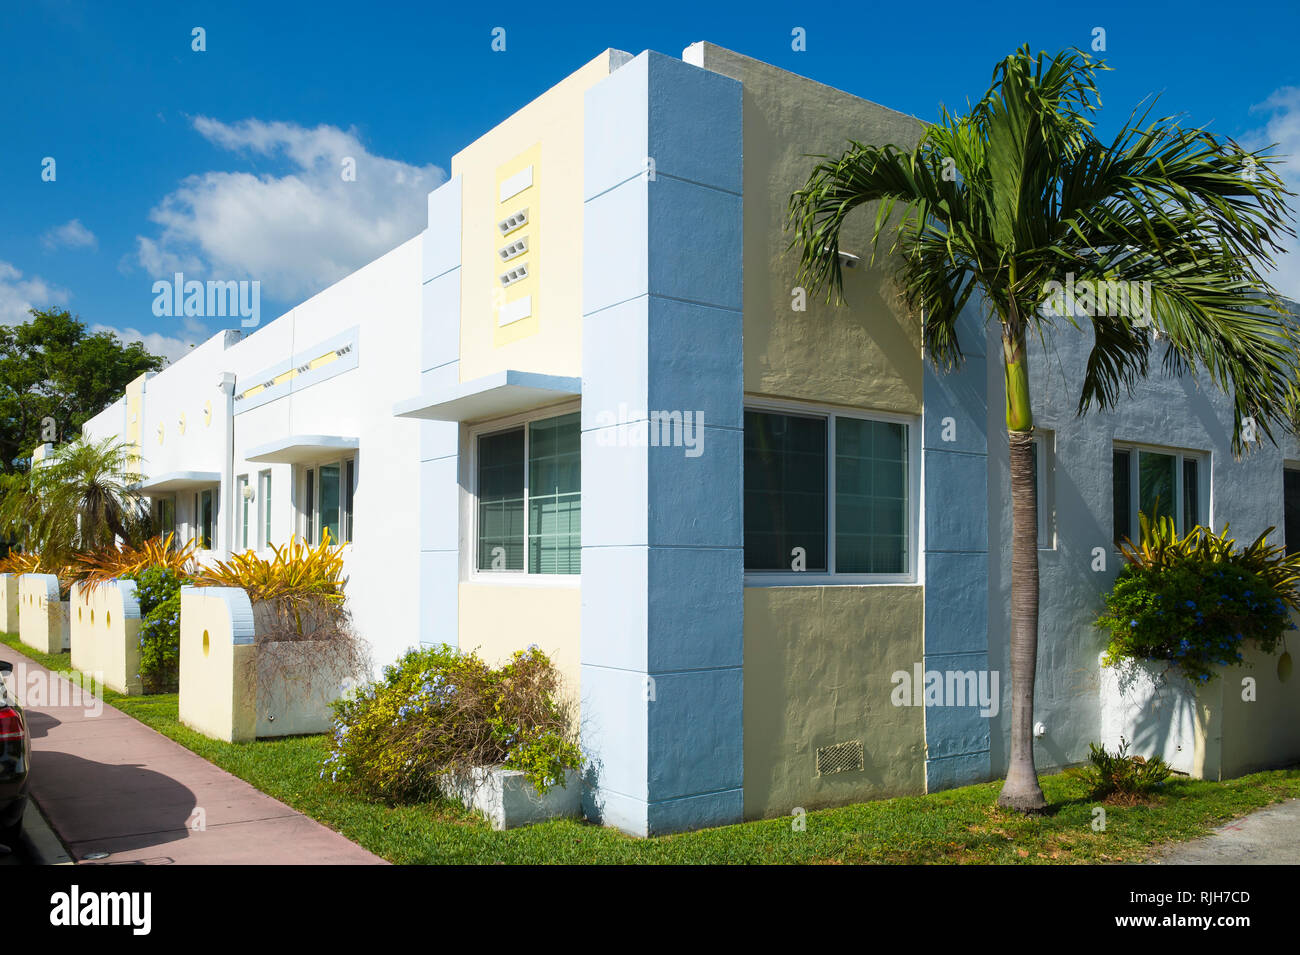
[[224, 162]]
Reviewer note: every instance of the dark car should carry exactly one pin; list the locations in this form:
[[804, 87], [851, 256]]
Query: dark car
[[15, 755]]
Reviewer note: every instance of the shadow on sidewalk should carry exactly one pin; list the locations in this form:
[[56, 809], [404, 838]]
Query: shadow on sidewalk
[[110, 807]]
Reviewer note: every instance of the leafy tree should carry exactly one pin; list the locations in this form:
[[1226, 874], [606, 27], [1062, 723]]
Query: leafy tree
[[50, 368], [1020, 193]]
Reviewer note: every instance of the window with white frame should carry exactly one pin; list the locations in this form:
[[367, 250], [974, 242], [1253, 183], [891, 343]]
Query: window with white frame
[[164, 510], [204, 519], [329, 494], [828, 492], [264, 509], [245, 505], [529, 491], [1157, 482]]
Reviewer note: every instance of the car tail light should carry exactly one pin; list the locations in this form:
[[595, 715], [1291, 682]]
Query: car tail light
[[11, 724]]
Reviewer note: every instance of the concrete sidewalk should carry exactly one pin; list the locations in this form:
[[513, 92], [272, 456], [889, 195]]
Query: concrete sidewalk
[[109, 784], [1266, 837]]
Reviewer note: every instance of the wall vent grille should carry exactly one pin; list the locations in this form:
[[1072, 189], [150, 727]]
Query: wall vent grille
[[840, 758]]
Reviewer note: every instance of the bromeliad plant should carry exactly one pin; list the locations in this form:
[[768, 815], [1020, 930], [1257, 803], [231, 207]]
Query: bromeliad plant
[[1195, 602], [110, 563], [297, 572], [1004, 206], [1119, 777]]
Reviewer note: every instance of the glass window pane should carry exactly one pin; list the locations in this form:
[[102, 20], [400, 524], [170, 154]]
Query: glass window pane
[[501, 501], [205, 519], [329, 502], [349, 497], [309, 509], [1156, 477], [1191, 495], [1291, 501], [870, 497], [785, 490], [1121, 494], [555, 496], [245, 508], [266, 508]]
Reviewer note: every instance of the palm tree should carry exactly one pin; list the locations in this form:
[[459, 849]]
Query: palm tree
[[1021, 193], [82, 500]]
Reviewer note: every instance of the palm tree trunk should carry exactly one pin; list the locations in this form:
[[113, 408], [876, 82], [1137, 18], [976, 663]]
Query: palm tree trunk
[[1021, 790]]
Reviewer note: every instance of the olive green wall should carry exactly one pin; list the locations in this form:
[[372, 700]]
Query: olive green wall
[[866, 355], [818, 662]]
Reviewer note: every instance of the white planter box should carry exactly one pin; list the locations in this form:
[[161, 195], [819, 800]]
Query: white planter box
[[42, 616], [105, 627], [1245, 720], [1156, 713], [235, 688], [9, 603], [508, 800]]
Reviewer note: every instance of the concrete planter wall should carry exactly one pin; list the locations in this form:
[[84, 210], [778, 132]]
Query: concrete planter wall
[[1221, 730], [236, 687], [9, 603], [104, 622], [508, 800], [42, 616]]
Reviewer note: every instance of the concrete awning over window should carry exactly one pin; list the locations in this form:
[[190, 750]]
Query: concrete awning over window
[[301, 448], [492, 396], [174, 481]]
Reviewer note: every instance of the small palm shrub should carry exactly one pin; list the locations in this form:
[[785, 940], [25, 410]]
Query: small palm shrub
[[158, 590], [1194, 602], [438, 714], [1119, 776]]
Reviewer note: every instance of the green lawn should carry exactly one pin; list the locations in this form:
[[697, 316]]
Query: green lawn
[[956, 826]]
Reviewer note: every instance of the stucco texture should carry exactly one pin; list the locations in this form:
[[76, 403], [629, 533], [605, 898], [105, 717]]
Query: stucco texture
[[864, 354], [818, 662], [496, 620]]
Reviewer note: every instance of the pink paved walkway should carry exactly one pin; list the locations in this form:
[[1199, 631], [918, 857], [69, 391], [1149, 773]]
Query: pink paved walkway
[[108, 783]]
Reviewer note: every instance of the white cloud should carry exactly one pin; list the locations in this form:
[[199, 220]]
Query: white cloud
[[18, 294], [1283, 129], [71, 235], [170, 347], [298, 232]]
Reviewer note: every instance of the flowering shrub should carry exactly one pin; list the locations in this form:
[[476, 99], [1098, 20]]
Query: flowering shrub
[[158, 589], [1195, 602], [441, 713]]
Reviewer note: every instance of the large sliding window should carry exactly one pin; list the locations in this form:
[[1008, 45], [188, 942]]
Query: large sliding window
[[530, 498], [329, 492], [827, 493], [1157, 483]]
